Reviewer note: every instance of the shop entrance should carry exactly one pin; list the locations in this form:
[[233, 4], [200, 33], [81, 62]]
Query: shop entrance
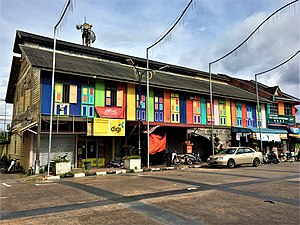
[[88, 151]]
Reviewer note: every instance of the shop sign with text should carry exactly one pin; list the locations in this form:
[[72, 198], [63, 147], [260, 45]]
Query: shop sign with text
[[109, 127], [281, 119], [110, 112]]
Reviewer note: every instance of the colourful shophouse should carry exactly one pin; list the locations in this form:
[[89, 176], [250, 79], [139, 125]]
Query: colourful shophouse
[[280, 115], [97, 103]]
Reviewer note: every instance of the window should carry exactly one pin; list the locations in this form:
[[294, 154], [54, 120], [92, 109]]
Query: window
[[197, 110], [158, 107], [287, 109], [64, 94], [239, 116], [249, 119], [222, 112], [209, 116], [87, 98], [259, 119], [87, 95], [274, 109], [141, 106], [175, 108], [110, 94]]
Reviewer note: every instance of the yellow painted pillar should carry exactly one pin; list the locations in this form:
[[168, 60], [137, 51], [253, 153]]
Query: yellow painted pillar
[[228, 112]]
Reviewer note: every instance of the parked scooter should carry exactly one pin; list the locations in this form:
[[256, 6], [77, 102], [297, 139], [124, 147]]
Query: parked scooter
[[271, 157], [193, 158], [185, 158], [116, 164]]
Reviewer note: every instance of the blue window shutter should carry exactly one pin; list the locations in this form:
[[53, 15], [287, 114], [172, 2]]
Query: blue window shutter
[[182, 103]]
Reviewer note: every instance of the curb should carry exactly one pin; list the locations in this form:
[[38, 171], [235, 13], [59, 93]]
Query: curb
[[123, 171]]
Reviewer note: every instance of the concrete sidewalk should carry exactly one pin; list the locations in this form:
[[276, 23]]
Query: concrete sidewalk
[[95, 171]]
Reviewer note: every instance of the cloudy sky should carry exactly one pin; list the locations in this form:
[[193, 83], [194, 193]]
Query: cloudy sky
[[210, 29]]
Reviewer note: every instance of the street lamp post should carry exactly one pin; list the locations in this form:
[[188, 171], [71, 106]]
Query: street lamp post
[[258, 113], [211, 110], [137, 73], [149, 75], [2, 99], [256, 88]]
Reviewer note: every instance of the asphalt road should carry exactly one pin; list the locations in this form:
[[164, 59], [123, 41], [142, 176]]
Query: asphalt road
[[268, 194]]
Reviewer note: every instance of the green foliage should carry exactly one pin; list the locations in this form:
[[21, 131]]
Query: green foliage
[[42, 171], [68, 174], [4, 162], [132, 157]]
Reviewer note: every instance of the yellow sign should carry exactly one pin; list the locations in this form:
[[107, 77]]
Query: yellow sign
[[109, 127]]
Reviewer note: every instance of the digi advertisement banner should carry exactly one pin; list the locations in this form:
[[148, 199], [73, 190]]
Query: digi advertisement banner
[[109, 127]]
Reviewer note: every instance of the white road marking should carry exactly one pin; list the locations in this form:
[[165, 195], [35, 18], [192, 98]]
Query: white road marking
[[6, 185], [8, 197], [192, 188], [44, 184]]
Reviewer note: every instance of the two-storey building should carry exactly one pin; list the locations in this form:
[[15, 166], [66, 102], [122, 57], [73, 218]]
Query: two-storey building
[[97, 105]]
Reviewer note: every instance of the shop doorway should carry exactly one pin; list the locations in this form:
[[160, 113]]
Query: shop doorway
[[87, 151]]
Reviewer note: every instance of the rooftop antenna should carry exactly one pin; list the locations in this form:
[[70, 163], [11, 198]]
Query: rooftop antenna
[[88, 36]]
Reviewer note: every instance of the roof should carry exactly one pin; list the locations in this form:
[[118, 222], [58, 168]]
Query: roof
[[97, 68], [13, 79], [46, 42], [271, 93]]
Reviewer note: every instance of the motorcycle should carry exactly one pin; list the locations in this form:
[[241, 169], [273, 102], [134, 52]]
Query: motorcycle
[[116, 164], [193, 159], [271, 157], [185, 158]]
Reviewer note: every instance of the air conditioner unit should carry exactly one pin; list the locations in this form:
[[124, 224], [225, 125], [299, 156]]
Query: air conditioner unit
[[191, 97], [62, 106]]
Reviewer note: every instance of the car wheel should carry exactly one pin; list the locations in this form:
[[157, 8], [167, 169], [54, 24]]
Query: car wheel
[[231, 163], [256, 162]]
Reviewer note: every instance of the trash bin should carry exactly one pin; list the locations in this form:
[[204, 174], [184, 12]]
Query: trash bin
[[87, 165]]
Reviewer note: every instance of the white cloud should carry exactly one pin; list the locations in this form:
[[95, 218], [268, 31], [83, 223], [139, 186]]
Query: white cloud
[[210, 30]]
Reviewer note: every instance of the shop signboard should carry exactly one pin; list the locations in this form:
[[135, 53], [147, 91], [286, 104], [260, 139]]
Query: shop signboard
[[268, 137], [109, 127], [281, 119], [110, 112]]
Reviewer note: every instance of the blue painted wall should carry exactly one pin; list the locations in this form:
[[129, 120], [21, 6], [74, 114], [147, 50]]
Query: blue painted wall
[[75, 109], [46, 93], [182, 104], [254, 115]]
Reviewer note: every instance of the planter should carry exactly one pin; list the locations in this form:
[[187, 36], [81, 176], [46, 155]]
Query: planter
[[61, 167], [132, 164]]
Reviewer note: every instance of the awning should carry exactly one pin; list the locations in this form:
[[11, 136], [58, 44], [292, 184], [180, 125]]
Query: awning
[[151, 129], [26, 128], [270, 131], [240, 130]]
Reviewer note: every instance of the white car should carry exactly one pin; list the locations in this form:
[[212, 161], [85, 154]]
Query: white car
[[234, 156]]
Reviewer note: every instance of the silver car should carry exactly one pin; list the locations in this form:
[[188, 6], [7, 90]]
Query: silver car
[[234, 156]]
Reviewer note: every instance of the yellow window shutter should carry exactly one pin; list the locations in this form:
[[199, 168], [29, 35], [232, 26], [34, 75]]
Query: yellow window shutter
[[119, 98], [58, 92], [73, 94]]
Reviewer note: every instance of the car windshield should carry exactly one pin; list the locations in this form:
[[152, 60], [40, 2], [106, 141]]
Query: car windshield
[[228, 151]]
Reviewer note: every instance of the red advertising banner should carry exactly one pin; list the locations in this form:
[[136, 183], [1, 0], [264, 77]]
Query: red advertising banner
[[110, 112]]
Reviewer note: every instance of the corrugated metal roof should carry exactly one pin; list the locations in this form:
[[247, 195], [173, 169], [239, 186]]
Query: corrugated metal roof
[[80, 65]]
